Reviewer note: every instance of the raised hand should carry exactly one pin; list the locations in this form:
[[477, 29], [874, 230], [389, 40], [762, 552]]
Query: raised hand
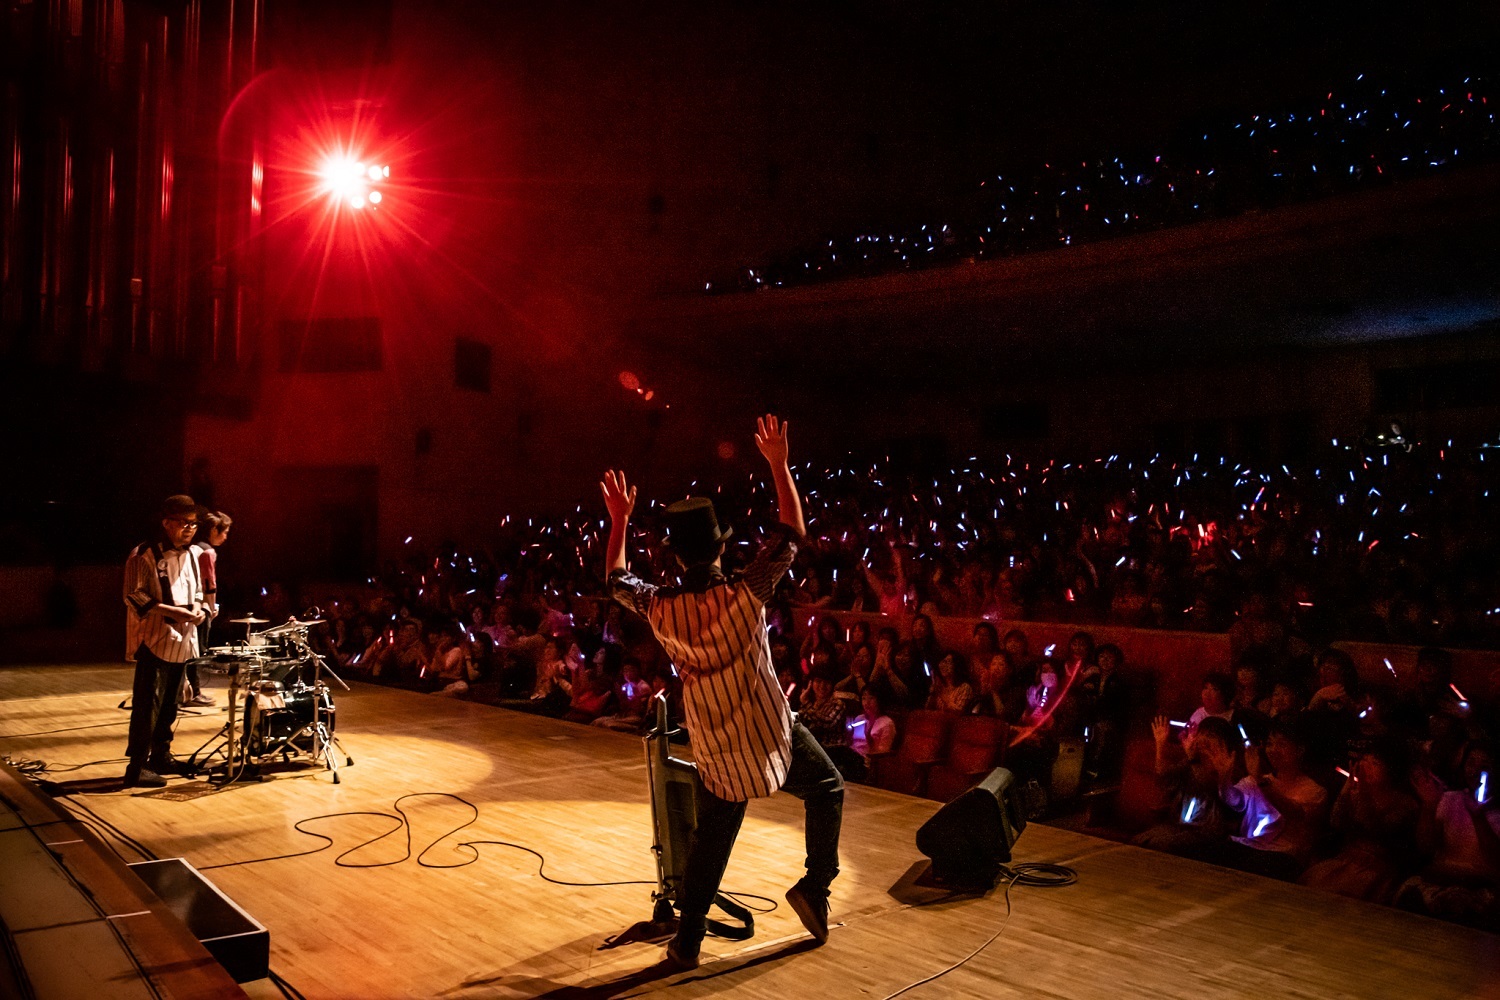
[[619, 497], [771, 438]]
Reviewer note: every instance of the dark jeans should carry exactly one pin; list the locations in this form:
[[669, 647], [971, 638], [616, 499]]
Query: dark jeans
[[153, 708], [192, 670], [815, 781], [192, 678]]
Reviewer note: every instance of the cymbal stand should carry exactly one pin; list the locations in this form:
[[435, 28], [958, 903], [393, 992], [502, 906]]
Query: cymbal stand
[[323, 741]]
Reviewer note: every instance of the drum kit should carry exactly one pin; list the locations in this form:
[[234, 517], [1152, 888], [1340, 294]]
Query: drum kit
[[280, 707]]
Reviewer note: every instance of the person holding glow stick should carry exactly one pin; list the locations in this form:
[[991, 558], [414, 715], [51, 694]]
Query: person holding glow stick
[[1377, 814], [1205, 804], [873, 734], [1281, 808], [1460, 830]]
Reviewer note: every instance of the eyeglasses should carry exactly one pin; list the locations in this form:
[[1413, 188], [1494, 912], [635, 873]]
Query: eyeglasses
[[185, 524]]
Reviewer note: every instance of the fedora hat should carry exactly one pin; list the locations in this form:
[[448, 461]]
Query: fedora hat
[[693, 529]]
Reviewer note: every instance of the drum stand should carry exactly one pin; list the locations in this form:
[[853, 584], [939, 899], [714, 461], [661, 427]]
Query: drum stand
[[235, 752], [323, 740]]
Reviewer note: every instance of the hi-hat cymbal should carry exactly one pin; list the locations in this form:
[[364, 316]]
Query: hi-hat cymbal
[[252, 620]]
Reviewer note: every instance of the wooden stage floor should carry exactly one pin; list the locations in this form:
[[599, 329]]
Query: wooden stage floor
[[1137, 924]]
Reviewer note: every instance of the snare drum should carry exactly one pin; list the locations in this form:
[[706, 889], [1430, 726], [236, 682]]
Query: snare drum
[[228, 660], [275, 646]]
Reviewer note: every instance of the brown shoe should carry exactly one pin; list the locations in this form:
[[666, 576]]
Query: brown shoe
[[679, 958], [812, 910]]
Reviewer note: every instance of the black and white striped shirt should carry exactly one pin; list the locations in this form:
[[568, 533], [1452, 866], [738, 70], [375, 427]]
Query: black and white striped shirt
[[715, 632], [155, 575]]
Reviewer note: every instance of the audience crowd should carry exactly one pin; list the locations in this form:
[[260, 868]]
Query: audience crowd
[[1292, 765], [1297, 768], [1377, 540], [1368, 132]]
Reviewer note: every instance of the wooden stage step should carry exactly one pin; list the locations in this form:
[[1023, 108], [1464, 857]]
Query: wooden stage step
[[376, 923], [78, 922]]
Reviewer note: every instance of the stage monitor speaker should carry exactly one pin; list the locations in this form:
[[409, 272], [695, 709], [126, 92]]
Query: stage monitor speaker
[[970, 838]]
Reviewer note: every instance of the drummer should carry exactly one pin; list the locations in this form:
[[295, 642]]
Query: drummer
[[217, 525]]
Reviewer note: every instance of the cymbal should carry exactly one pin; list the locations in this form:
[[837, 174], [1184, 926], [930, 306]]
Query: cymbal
[[292, 625], [252, 620]]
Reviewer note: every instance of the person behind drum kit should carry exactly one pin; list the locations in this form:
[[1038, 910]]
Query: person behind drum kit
[[164, 597], [218, 524]]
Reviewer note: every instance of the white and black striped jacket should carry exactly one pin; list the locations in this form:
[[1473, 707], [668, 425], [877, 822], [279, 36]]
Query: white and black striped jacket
[[156, 574], [714, 631]]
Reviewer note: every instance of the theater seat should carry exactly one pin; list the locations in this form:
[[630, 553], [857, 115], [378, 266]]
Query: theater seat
[[923, 743], [976, 745]]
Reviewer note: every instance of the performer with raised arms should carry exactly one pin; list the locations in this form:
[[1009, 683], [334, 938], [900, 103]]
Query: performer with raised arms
[[745, 740]]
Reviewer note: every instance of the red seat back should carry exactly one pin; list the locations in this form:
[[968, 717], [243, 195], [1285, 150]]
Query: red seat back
[[977, 743], [925, 738]]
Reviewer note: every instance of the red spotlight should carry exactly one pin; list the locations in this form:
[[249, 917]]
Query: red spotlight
[[352, 182]]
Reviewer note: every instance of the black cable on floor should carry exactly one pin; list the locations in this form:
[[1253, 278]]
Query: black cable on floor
[[35, 768], [1036, 874], [135, 845], [1040, 874], [108, 839], [26, 765], [70, 729], [96, 824], [287, 989], [65, 768], [402, 822]]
